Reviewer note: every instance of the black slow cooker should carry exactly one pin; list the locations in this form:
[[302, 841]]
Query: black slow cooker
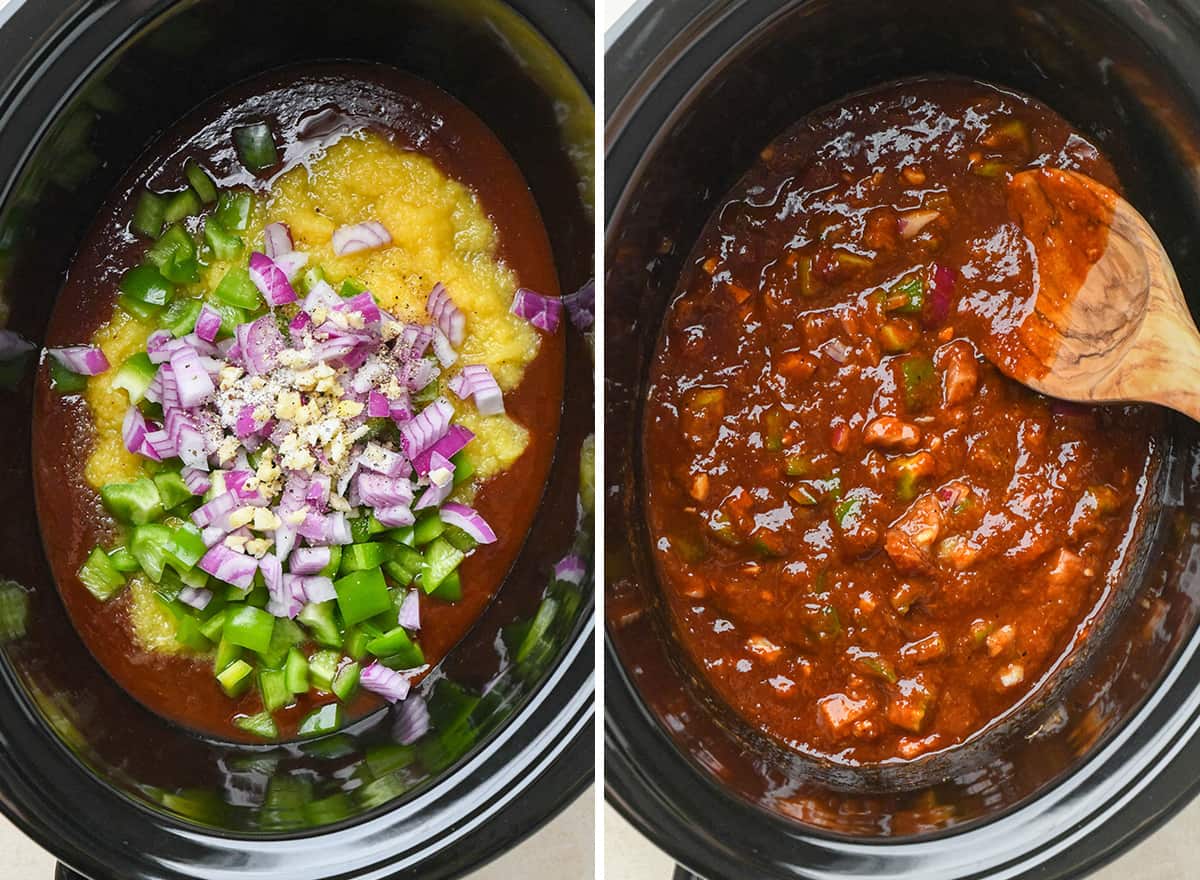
[[694, 89], [111, 789]]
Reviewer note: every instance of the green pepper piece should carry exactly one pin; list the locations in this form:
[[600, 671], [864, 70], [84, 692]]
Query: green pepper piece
[[180, 317], [322, 667], [261, 724], [214, 625], [327, 719], [256, 146], [776, 420], [182, 204], [920, 382], [236, 289], [877, 667], [224, 245], [441, 558], [396, 643], [227, 653], [189, 633], [310, 278], [318, 617], [284, 637], [148, 214], [185, 548], [428, 394], [356, 643], [135, 375], [399, 574], [449, 590], [65, 381], [359, 529], [146, 285], [847, 512], [427, 527], [460, 539], [407, 559], [906, 296], [249, 627], [351, 287], [172, 490], [345, 682], [296, 671], [357, 557], [405, 535], [538, 629], [272, 684], [464, 467], [123, 560], [231, 317], [136, 503], [149, 545], [233, 210], [335, 562], [175, 256], [362, 594], [204, 186], [236, 678], [101, 577]]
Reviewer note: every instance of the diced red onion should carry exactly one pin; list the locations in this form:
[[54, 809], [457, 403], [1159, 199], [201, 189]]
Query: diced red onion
[[400, 410], [414, 340], [317, 496], [197, 481], [158, 346], [271, 281], [570, 568], [412, 721], [318, 589], [261, 342], [456, 439], [426, 427], [360, 237], [208, 323], [277, 240], [442, 348], [213, 535], [300, 323], [272, 572], [330, 528], [235, 482], [941, 291], [215, 511], [194, 384], [229, 566], [202, 347], [441, 482], [159, 445], [192, 448], [410, 611], [321, 294], [384, 461], [134, 430], [543, 312], [86, 360], [365, 305], [195, 597], [469, 520], [378, 490], [448, 317], [168, 387], [476, 380], [581, 306], [377, 405], [309, 560], [395, 517], [285, 539], [291, 264], [837, 351], [388, 683]]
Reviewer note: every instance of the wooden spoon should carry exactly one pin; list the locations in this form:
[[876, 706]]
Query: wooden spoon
[[1110, 322]]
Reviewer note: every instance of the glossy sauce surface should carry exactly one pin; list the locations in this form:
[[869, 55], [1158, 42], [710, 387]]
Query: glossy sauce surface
[[874, 543], [307, 108]]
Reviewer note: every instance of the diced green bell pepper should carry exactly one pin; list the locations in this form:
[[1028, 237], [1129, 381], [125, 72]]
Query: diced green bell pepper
[[189, 633], [249, 627], [148, 214], [65, 381], [361, 595], [214, 625], [296, 671], [256, 146], [539, 627], [172, 490], [102, 579], [135, 375], [149, 545], [464, 467], [441, 559], [285, 635], [136, 503], [261, 724], [356, 643], [397, 647], [357, 557], [182, 204], [310, 278], [236, 289], [318, 617], [175, 256], [335, 562], [907, 296], [351, 287], [233, 210], [272, 684], [427, 527], [460, 539], [185, 548], [180, 317], [146, 285], [449, 590], [225, 245], [920, 382], [204, 186], [236, 678], [322, 667], [326, 719], [123, 560], [227, 653], [231, 317], [345, 682]]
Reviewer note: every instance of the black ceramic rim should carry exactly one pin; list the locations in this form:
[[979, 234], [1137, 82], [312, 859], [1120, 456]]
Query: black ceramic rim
[[502, 792], [1138, 779]]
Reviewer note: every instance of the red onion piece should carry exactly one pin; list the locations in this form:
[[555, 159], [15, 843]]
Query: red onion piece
[[360, 237], [277, 240], [442, 348], [322, 529], [229, 566], [448, 317], [441, 482], [271, 281], [413, 341], [309, 560], [291, 264], [318, 589], [194, 384], [365, 305], [543, 312], [215, 511], [272, 572], [469, 520], [476, 381], [378, 490], [208, 323], [261, 342], [456, 439], [86, 360], [941, 290], [134, 430], [195, 597], [395, 517], [377, 405], [426, 427], [388, 683], [384, 461], [197, 481], [570, 568], [159, 445], [912, 222], [410, 611], [317, 496]]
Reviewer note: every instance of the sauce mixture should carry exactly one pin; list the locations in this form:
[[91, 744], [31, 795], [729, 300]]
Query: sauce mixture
[[357, 140], [872, 542]]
